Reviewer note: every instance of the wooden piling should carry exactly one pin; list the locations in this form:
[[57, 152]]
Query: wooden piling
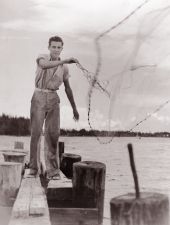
[[61, 150], [149, 209], [139, 208], [67, 161], [89, 186], [10, 179], [15, 157], [19, 145]]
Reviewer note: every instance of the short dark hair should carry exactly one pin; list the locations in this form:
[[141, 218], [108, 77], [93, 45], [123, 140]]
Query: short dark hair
[[55, 38]]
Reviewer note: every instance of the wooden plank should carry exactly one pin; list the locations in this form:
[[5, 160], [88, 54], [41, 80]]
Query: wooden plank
[[60, 197], [32, 220], [22, 203], [30, 199], [37, 203], [30, 207], [59, 192], [63, 193], [74, 216], [63, 182]]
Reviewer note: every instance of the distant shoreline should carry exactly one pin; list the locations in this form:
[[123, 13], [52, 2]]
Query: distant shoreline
[[96, 133], [20, 126]]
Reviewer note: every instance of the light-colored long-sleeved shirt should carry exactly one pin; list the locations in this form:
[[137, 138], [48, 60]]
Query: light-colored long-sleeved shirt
[[50, 78]]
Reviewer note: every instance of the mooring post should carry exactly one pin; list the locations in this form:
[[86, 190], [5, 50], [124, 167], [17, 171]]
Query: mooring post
[[139, 208], [61, 150], [10, 179], [67, 162], [89, 186], [134, 172], [15, 157], [18, 145]]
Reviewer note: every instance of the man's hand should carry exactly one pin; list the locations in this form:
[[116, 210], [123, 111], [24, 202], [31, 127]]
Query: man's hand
[[76, 115], [71, 60]]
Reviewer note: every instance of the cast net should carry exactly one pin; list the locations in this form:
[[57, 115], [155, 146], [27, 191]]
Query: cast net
[[129, 88]]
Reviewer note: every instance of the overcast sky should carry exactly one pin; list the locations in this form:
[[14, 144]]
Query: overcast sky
[[25, 27]]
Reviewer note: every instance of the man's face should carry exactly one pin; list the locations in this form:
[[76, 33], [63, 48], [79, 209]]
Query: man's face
[[55, 49]]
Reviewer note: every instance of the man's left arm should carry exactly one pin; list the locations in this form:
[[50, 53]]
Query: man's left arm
[[70, 97]]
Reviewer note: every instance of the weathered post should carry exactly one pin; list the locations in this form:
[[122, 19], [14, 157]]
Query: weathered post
[[67, 161], [10, 179], [61, 150], [139, 208], [19, 145], [15, 157], [149, 209], [89, 186]]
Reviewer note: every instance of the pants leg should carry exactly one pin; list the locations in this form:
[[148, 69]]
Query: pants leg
[[52, 132], [37, 119]]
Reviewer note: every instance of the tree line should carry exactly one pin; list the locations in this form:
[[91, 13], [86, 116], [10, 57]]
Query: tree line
[[20, 126]]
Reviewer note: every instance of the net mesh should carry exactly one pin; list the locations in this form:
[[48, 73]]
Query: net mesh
[[130, 84]]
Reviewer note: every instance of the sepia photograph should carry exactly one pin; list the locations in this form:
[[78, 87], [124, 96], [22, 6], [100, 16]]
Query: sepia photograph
[[84, 112]]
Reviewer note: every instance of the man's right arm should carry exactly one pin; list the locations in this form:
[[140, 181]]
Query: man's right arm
[[45, 64]]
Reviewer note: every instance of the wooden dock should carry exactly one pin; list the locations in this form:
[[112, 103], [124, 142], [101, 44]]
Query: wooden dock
[[33, 207], [39, 202], [62, 209], [76, 201], [30, 206]]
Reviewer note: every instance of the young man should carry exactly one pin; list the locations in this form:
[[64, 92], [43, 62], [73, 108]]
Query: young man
[[51, 73]]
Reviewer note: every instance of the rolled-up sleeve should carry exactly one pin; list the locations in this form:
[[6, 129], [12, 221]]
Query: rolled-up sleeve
[[41, 56]]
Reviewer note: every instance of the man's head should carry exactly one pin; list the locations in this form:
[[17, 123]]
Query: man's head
[[55, 46]]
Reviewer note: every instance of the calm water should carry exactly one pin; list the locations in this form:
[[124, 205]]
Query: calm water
[[152, 157]]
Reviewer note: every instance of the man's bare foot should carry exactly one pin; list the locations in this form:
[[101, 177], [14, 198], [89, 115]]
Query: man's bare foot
[[54, 177], [32, 173]]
